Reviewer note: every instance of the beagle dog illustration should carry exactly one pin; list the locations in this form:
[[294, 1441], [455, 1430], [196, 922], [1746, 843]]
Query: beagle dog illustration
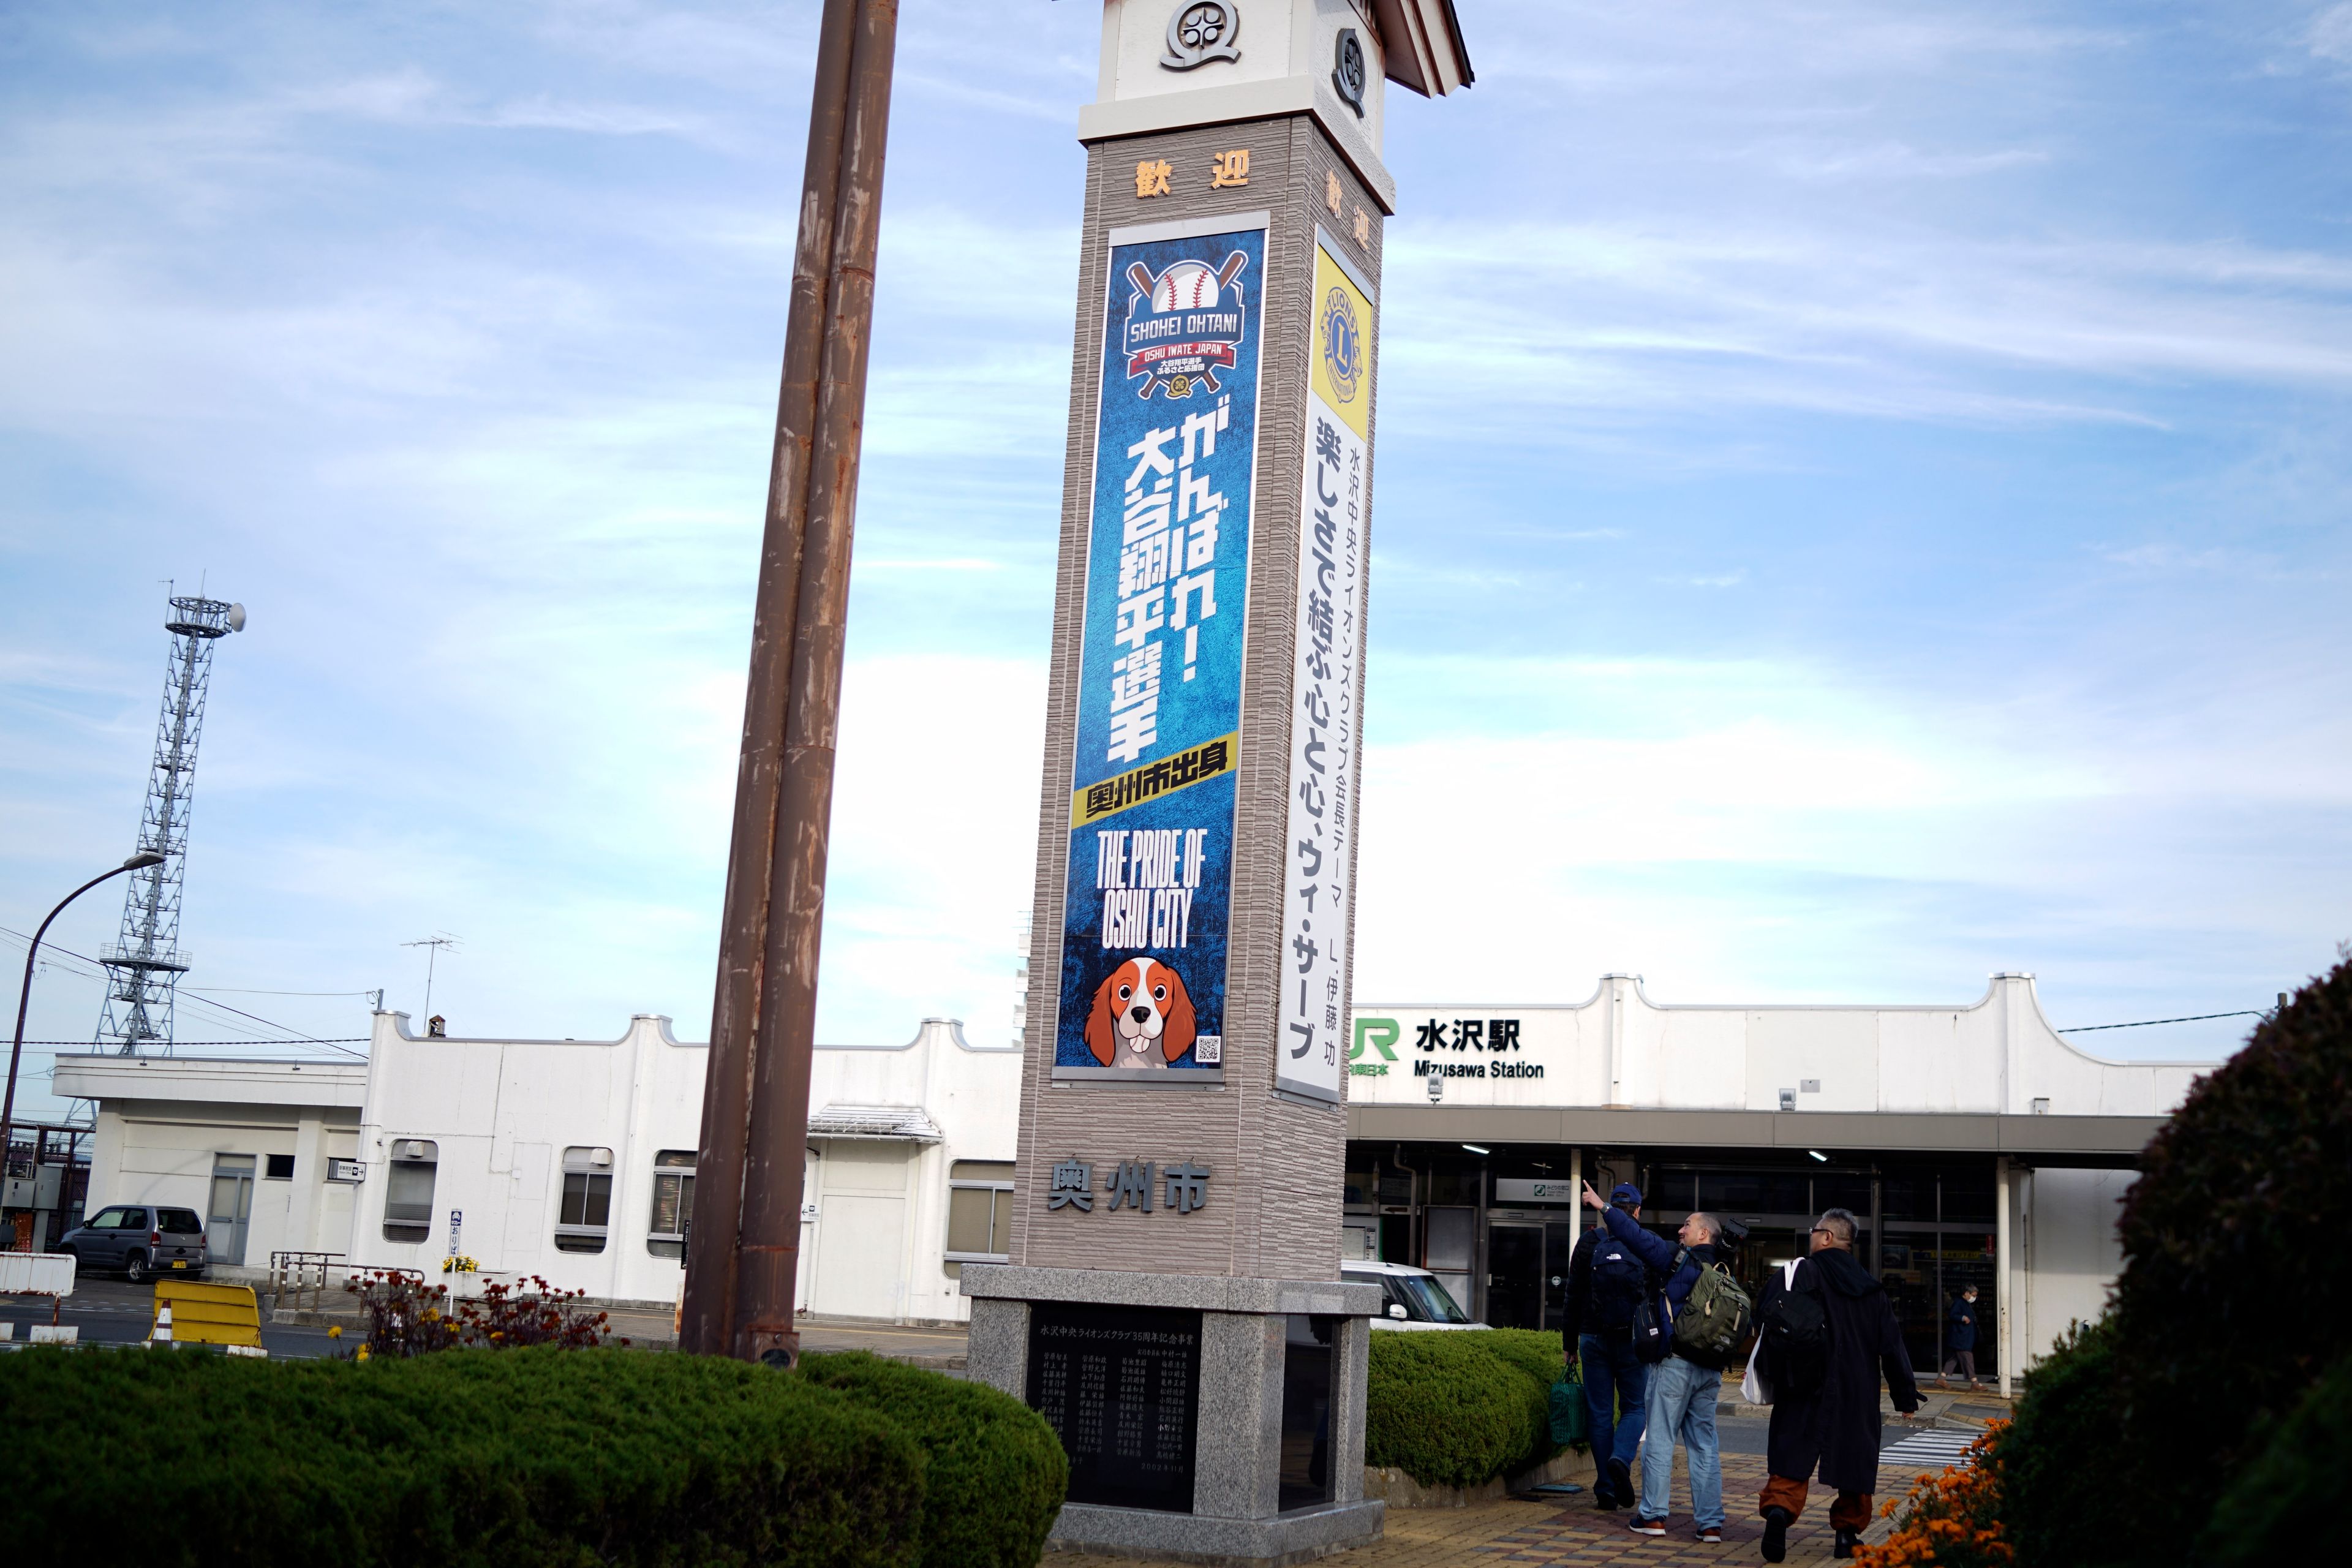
[[1142, 1016]]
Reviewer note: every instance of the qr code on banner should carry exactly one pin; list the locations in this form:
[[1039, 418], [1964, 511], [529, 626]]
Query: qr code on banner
[[1209, 1050]]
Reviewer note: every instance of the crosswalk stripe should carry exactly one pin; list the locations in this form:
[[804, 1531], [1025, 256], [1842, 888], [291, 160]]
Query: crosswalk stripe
[[1933, 1449]]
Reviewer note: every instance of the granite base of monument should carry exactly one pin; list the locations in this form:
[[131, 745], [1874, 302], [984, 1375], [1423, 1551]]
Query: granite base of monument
[[1212, 1419]]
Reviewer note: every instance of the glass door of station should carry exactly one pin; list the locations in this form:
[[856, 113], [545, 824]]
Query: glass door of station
[[1934, 1236], [1526, 1271]]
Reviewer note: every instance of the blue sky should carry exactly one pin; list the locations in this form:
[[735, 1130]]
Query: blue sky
[[1862, 499]]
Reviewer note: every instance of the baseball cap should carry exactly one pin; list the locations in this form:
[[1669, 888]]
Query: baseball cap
[[1626, 1194]]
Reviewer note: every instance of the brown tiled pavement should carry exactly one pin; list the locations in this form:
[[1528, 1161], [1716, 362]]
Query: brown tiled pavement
[[1512, 1531]]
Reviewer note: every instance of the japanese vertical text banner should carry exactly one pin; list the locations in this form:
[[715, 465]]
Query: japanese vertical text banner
[[1160, 696], [1318, 897]]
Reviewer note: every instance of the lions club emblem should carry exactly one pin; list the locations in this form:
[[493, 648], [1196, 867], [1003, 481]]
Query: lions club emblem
[[1343, 344], [1183, 326]]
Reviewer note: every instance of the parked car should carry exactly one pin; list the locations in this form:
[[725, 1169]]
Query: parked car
[[139, 1239], [1410, 1298]]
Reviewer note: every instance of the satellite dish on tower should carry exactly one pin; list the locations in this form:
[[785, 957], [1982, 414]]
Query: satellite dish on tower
[[236, 618]]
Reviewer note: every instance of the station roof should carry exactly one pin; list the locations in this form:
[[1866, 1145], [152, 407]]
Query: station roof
[[2101, 1143]]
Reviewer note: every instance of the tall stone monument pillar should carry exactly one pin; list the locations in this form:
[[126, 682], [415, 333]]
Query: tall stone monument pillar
[[1173, 1303]]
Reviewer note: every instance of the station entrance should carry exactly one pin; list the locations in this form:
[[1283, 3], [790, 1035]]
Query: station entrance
[[1498, 1228]]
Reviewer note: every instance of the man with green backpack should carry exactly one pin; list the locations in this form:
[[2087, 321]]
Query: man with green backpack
[[1703, 1315]]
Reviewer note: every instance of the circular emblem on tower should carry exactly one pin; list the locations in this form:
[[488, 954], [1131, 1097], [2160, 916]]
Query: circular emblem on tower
[[1200, 31], [1348, 72], [1343, 344]]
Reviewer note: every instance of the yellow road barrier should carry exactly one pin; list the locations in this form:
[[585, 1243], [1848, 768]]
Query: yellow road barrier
[[207, 1314]]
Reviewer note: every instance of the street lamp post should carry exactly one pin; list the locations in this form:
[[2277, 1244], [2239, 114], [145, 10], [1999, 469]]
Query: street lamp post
[[145, 857]]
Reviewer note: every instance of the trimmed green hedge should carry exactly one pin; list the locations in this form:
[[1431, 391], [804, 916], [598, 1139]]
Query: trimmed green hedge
[[997, 1473], [2219, 1364], [2056, 1509], [527, 1458], [2223, 1315], [2289, 1502], [1538, 1354], [1459, 1407]]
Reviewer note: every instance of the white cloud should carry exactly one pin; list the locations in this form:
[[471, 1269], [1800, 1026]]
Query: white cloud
[[2331, 35], [1884, 325]]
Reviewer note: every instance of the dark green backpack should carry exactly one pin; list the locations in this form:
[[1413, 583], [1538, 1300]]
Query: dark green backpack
[[1714, 1318]]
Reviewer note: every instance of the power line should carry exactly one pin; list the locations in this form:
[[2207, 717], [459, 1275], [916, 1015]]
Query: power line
[[283, 1029], [2144, 1023], [347, 1040], [298, 1033], [239, 991]]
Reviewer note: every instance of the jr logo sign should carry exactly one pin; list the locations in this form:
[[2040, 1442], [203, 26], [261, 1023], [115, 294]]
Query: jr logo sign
[[1381, 1034]]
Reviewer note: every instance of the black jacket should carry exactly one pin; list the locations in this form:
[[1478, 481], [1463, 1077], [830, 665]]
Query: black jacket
[[1576, 1300], [1579, 1316], [1836, 1426]]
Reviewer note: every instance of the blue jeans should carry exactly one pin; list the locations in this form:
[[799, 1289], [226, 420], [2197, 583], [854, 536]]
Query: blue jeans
[[1683, 1395], [1612, 1372]]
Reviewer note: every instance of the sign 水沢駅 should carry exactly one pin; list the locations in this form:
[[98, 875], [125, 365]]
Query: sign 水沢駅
[[1319, 895], [1159, 701], [1392, 1048]]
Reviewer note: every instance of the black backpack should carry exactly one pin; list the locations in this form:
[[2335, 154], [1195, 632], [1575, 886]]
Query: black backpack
[[1795, 1330], [1620, 1281]]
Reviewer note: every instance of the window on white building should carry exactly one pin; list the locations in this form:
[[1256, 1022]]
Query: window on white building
[[584, 1216], [673, 1202], [408, 1189], [980, 1211]]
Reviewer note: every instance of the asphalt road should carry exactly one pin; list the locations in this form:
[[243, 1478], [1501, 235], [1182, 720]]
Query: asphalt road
[[110, 1311]]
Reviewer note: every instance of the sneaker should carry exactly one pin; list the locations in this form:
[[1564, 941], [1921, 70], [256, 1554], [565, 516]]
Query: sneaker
[[1641, 1526], [1710, 1535], [1604, 1497], [1621, 1484], [1776, 1534]]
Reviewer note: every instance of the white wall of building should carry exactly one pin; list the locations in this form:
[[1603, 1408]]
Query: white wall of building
[[166, 1123], [886, 1124], [2067, 1254], [1619, 1048]]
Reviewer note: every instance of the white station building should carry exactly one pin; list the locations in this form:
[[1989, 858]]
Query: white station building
[[571, 1160], [1974, 1142]]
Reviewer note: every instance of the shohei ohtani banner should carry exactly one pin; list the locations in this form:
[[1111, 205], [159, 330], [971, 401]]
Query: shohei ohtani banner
[[1160, 696], [1319, 896]]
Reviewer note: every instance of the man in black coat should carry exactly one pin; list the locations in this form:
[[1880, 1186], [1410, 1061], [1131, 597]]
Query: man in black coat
[[1835, 1424]]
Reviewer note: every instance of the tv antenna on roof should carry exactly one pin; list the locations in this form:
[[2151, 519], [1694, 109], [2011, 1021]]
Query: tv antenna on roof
[[434, 944]]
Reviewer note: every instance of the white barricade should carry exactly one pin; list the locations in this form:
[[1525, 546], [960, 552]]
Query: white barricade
[[37, 1273]]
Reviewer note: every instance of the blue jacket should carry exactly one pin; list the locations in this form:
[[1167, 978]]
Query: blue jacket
[[1660, 1253], [1962, 1334]]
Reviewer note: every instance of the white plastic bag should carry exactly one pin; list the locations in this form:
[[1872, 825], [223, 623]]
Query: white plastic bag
[[1753, 1388], [1756, 1388]]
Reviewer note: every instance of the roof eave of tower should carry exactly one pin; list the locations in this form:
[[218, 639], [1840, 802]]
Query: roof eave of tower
[[1423, 42]]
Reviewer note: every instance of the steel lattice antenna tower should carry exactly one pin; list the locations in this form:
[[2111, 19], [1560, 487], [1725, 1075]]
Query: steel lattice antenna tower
[[144, 968]]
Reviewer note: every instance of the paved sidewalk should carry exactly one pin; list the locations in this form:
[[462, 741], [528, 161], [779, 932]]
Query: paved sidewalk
[[1579, 1535]]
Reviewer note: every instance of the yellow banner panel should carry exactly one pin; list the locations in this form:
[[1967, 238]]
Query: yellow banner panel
[[1206, 760], [1342, 359]]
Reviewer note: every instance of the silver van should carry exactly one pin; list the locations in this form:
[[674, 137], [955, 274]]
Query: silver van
[[139, 1239]]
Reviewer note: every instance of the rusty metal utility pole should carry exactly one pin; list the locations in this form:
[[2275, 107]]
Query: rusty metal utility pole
[[744, 1249]]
